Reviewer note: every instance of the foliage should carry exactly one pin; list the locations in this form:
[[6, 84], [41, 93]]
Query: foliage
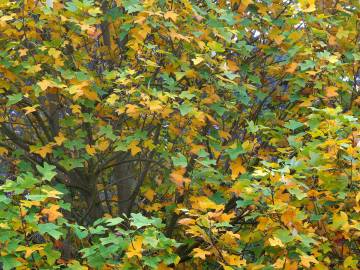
[[179, 134]]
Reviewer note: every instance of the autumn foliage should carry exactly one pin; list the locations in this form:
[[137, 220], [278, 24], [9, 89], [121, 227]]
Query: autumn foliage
[[164, 134]]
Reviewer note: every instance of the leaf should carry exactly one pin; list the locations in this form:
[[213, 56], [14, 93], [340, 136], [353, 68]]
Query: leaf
[[200, 253], [42, 151], [185, 108], [30, 109], [331, 91], [3, 151], [90, 150], [350, 262], [235, 152], [134, 149], [215, 46], [138, 220], [51, 229], [307, 5], [236, 167], [276, 242], [171, 15], [44, 84], [292, 124], [135, 248], [13, 99], [306, 260], [47, 171], [178, 178], [54, 53], [59, 139], [52, 212], [179, 160], [114, 221], [102, 145], [197, 60], [9, 262]]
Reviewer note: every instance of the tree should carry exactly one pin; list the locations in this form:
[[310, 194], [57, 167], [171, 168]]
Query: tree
[[199, 134]]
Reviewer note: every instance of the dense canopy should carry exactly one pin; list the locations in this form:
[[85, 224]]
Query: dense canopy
[[162, 134]]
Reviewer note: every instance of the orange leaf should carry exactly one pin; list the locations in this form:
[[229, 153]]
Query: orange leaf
[[178, 178], [42, 151], [331, 91], [52, 212]]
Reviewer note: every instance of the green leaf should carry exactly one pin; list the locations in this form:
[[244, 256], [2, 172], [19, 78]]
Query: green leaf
[[292, 124], [234, 153], [47, 171], [185, 109], [51, 254], [179, 161], [13, 99], [9, 262], [114, 221], [51, 229], [138, 220]]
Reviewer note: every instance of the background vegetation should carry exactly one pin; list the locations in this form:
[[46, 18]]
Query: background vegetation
[[179, 134]]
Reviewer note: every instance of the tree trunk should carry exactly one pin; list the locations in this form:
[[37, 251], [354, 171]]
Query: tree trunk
[[125, 180]]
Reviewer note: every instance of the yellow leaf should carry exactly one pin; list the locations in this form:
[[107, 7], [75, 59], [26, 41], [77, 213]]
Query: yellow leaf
[[54, 53], [350, 262], [75, 108], [52, 212], [29, 204], [224, 134], [103, 145], [90, 150], [155, 105], [30, 109], [149, 194], [236, 168], [306, 260], [135, 248], [134, 149], [200, 253], [197, 60], [31, 249], [275, 242], [278, 39], [132, 110], [3, 151], [307, 5], [52, 193], [112, 99], [59, 139], [171, 14], [45, 84], [23, 52], [33, 69], [279, 264]]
